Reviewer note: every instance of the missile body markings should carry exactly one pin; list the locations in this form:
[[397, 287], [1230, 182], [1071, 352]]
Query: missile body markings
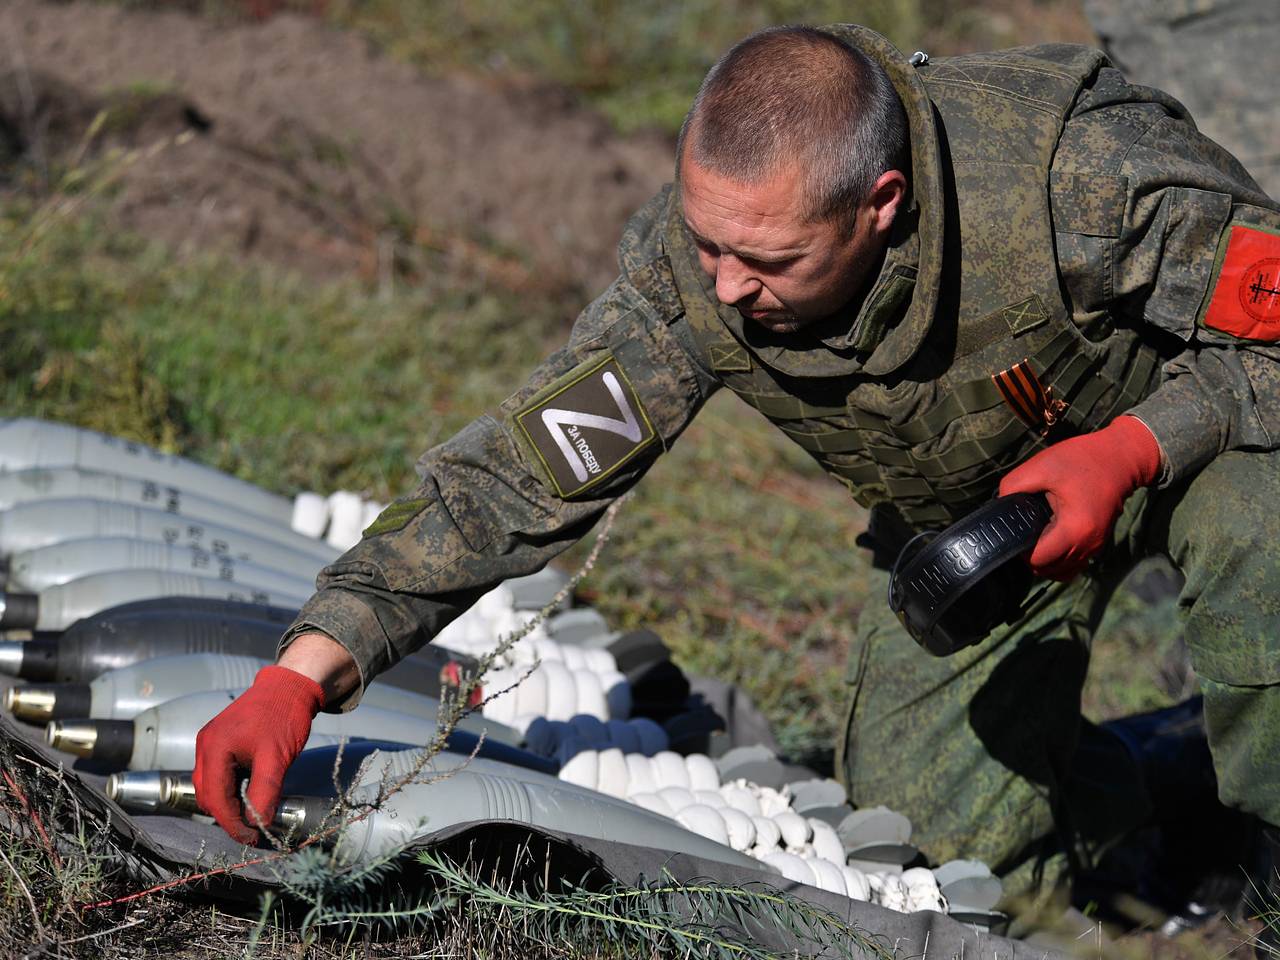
[[57, 563], [294, 817], [39, 523], [72, 483], [27, 443], [141, 791]]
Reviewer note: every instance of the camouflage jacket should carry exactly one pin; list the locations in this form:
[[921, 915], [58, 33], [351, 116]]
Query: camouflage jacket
[[1053, 206]]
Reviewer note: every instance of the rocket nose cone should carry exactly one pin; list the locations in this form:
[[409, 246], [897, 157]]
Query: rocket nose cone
[[40, 703], [107, 741], [137, 790]]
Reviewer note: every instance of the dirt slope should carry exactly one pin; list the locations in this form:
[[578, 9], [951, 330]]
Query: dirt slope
[[309, 147]]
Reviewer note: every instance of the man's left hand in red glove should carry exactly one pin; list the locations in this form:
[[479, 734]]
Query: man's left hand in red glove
[[1087, 480]]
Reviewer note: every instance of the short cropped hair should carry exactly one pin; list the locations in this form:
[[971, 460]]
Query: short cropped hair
[[789, 94]]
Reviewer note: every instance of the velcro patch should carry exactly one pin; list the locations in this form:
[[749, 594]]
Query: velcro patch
[[1246, 291], [586, 426], [396, 517], [1025, 315], [729, 356]]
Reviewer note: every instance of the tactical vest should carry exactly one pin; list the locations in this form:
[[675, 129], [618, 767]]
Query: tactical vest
[[913, 407]]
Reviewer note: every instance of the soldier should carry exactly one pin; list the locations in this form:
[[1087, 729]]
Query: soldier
[[875, 252]]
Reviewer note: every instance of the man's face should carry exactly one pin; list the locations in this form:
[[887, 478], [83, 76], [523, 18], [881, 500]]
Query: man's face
[[778, 269]]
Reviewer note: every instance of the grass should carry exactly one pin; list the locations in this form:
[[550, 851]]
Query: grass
[[640, 64]]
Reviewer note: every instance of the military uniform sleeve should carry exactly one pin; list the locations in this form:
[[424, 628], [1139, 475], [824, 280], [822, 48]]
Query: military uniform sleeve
[[1145, 209], [518, 486]]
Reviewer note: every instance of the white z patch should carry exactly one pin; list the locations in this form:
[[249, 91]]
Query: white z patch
[[577, 452], [586, 426]]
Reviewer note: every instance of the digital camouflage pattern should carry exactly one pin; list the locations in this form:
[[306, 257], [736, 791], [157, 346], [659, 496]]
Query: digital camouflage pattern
[[1058, 215], [897, 398], [1001, 766]]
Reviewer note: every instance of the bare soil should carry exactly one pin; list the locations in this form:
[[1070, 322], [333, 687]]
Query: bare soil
[[313, 151], [308, 148]]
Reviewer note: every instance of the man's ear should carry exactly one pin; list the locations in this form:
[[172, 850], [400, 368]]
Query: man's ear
[[884, 200]]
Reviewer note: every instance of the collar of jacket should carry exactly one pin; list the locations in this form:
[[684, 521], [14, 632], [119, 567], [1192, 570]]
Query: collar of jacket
[[899, 308]]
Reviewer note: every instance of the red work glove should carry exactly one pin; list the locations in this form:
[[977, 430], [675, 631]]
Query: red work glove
[[1087, 480], [263, 730]]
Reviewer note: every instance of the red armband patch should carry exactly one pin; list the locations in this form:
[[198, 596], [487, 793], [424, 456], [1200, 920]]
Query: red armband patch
[[1246, 293]]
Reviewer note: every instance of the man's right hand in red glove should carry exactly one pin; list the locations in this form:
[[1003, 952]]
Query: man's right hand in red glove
[[264, 729]]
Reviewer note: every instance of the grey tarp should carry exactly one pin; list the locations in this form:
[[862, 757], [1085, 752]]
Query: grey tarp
[[157, 848]]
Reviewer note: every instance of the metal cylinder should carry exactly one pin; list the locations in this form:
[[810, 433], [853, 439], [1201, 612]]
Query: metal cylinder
[[13, 656], [110, 742], [19, 611], [40, 703], [27, 443], [59, 563], [39, 523], [138, 791], [178, 792], [62, 483], [63, 605], [294, 815]]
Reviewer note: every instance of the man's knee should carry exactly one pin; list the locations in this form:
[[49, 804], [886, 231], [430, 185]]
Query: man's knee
[[1243, 724], [1231, 509], [1224, 535], [966, 746]]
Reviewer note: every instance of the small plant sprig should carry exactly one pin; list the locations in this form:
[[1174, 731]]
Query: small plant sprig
[[668, 917]]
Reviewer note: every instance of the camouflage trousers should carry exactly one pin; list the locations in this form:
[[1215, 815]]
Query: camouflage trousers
[[986, 751]]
